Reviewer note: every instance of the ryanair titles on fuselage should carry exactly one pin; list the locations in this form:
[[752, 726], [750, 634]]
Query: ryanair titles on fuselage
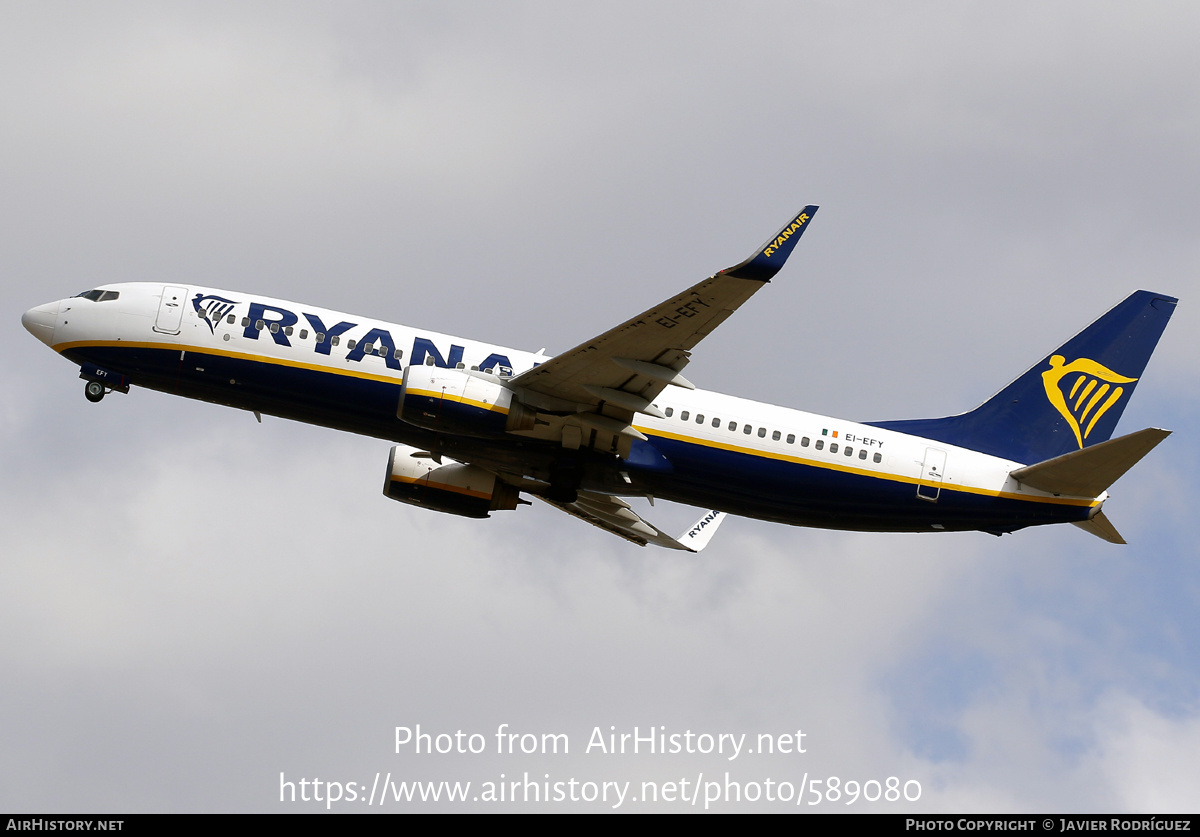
[[274, 321]]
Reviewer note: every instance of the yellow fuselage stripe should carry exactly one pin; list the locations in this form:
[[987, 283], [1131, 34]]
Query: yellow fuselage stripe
[[832, 466], [394, 378]]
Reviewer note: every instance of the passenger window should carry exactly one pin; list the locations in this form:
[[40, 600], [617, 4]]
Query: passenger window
[[684, 415], [820, 444], [791, 439], [320, 338], [849, 451], [670, 411], [699, 418], [349, 343], [762, 432], [333, 341], [245, 322], [459, 365], [775, 436], [862, 454], [833, 446], [274, 328], [259, 325], [287, 330], [747, 429], [400, 353], [733, 425], [230, 319], [877, 458], [716, 422], [804, 442], [369, 349], [304, 334]]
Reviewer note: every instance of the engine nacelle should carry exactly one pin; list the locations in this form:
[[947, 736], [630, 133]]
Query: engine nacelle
[[452, 487], [457, 401]]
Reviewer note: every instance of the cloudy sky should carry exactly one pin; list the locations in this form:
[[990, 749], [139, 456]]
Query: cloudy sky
[[193, 604]]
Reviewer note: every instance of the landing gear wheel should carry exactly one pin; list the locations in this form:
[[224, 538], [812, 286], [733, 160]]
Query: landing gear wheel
[[94, 391]]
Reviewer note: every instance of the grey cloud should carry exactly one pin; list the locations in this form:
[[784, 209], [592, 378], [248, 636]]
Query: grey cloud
[[195, 602]]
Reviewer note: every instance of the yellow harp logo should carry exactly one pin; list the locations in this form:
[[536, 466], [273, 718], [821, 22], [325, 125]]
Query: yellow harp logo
[[1093, 389]]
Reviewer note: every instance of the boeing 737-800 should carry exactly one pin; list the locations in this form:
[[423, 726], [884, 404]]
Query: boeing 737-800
[[475, 426]]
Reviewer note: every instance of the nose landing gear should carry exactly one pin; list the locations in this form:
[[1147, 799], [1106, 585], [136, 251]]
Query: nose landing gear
[[100, 381], [94, 391]]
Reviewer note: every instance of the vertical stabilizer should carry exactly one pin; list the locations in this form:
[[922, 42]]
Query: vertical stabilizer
[[1100, 526], [1071, 399]]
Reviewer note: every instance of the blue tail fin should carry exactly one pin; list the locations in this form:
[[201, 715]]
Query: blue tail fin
[[1070, 400]]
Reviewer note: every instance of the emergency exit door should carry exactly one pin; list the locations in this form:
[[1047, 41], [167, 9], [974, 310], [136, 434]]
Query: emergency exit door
[[932, 472]]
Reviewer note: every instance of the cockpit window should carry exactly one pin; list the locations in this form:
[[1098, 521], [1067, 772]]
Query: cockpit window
[[99, 296]]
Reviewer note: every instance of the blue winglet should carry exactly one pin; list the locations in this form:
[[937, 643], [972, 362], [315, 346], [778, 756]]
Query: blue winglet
[[770, 257]]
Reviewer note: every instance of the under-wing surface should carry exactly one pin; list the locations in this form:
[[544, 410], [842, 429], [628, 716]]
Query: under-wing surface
[[478, 428]]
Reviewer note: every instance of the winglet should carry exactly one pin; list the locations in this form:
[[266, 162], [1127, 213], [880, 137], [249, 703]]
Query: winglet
[[769, 259], [700, 533]]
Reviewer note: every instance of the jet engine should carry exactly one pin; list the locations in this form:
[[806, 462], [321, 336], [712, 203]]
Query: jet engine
[[451, 487], [459, 401]]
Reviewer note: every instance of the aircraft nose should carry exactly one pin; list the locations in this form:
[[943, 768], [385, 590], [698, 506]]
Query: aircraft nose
[[40, 321]]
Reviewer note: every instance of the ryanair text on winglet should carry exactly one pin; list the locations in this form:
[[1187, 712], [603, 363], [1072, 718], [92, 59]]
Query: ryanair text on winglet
[[800, 221], [701, 524]]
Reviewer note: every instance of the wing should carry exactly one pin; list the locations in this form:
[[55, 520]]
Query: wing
[[612, 514], [597, 387]]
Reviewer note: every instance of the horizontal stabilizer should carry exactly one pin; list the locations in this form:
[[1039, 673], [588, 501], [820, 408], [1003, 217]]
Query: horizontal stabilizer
[[1089, 472], [1100, 526]]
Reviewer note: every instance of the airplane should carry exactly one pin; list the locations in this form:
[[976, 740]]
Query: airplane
[[477, 426]]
